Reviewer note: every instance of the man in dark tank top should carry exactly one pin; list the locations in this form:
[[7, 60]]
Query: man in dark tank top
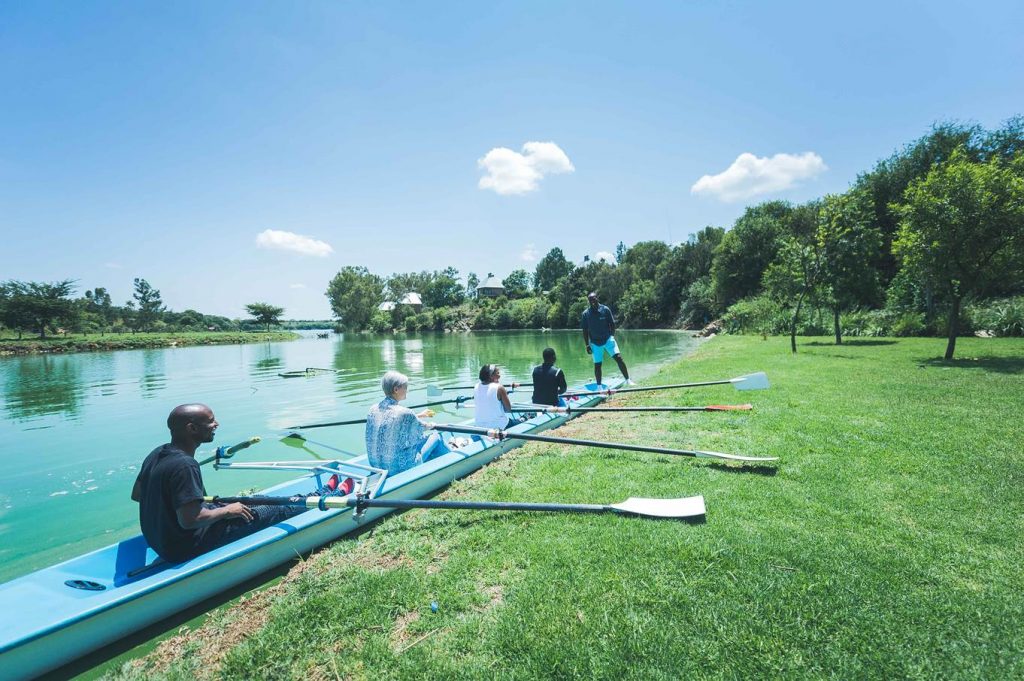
[[548, 380]]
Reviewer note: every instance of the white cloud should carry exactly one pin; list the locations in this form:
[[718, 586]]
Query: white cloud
[[529, 253], [277, 240], [604, 255], [750, 175], [296, 286], [509, 172]]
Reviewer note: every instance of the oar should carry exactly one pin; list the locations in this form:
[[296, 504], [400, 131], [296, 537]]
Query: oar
[[571, 409], [758, 381], [352, 422], [228, 452], [337, 371], [687, 507], [434, 390], [299, 441], [502, 434]]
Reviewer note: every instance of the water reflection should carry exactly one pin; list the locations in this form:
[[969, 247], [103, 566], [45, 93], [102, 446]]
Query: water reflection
[[269, 360], [42, 386], [153, 379]]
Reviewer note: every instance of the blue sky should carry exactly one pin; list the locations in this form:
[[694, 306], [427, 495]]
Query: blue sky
[[161, 139]]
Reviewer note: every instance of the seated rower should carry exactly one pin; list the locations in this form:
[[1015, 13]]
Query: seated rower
[[493, 408], [169, 489], [395, 437], [549, 381]]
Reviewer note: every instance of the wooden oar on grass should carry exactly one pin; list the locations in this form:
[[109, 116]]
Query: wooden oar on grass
[[758, 381], [688, 507], [502, 434]]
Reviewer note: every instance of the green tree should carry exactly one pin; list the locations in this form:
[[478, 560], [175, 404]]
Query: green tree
[[639, 305], [265, 313], [643, 259], [551, 269], [677, 274], [795, 273], [443, 289], [962, 229], [517, 284], [747, 249], [37, 306], [148, 305], [849, 242], [472, 281], [354, 294], [99, 304]]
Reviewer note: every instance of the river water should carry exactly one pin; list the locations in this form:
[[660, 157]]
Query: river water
[[74, 428]]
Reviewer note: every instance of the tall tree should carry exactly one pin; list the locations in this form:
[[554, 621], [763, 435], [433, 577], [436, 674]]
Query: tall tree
[[680, 270], [849, 242], [962, 229], [551, 269], [517, 284], [37, 306], [747, 249], [795, 274], [354, 294], [472, 281], [443, 289], [148, 305], [265, 313]]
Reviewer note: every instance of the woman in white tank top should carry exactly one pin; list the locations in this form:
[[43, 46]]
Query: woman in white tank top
[[493, 409]]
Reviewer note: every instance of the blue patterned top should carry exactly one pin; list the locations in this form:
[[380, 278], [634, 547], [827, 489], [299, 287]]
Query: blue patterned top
[[394, 437]]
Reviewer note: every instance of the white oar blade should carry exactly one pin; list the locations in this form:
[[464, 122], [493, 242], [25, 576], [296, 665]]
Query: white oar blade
[[434, 391], [758, 381], [689, 507], [700, 454]]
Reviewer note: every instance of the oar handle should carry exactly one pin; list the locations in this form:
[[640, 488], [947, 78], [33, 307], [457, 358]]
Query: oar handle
[[228, 452]]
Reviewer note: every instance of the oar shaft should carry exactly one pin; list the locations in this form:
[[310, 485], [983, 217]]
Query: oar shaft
[[696, 453], [353, 422], [227, 453], [353, 502], [652, 387], [571, 409]]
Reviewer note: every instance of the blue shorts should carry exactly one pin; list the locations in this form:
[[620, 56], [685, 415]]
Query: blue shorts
[[598, 350]]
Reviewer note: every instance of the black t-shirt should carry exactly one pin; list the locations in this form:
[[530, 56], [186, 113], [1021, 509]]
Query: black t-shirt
[[169, 479], [548, 384]]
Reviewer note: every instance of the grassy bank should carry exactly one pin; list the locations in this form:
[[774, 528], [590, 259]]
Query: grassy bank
[[134, 341], [886, 543]]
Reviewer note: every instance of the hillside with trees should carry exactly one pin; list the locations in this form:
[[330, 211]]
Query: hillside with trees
[[930, 241]]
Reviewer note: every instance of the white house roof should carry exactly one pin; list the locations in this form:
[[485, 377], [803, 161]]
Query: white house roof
[[492, 282], [411, 298]]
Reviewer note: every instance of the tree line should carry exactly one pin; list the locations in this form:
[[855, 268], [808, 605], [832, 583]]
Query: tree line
[[42, 308], [909, 249]]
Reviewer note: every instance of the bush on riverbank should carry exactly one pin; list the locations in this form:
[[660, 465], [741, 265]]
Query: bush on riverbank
[[96, 342]]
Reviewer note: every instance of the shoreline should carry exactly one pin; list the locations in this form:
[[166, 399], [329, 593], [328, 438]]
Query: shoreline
[[138, 341]]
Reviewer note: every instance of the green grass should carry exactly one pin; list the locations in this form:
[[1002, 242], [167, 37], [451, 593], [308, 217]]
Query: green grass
[[886, 543], [9, 343]]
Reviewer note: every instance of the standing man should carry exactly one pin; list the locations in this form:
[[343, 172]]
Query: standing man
[[598, 334], [548, 381], [175, 521]]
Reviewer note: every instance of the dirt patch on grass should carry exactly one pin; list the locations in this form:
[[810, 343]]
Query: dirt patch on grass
[[495, 597], [400, 634], [368, 560]]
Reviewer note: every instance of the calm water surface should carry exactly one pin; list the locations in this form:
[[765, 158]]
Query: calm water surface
[[74, 428]]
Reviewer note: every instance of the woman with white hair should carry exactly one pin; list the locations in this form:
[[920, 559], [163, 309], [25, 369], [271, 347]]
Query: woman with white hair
[[396, 438]]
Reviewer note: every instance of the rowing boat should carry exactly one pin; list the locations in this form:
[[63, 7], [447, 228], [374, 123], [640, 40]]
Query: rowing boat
[[58, 614]]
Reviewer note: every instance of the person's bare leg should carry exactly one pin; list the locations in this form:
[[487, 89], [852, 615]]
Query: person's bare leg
[[622, 366], [597, 372]]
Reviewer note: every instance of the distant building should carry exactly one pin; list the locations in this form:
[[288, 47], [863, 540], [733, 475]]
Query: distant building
[[490, 288], [412, 299]]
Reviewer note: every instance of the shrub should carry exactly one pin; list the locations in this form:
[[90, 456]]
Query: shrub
[[908, 324], [757, 314]]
